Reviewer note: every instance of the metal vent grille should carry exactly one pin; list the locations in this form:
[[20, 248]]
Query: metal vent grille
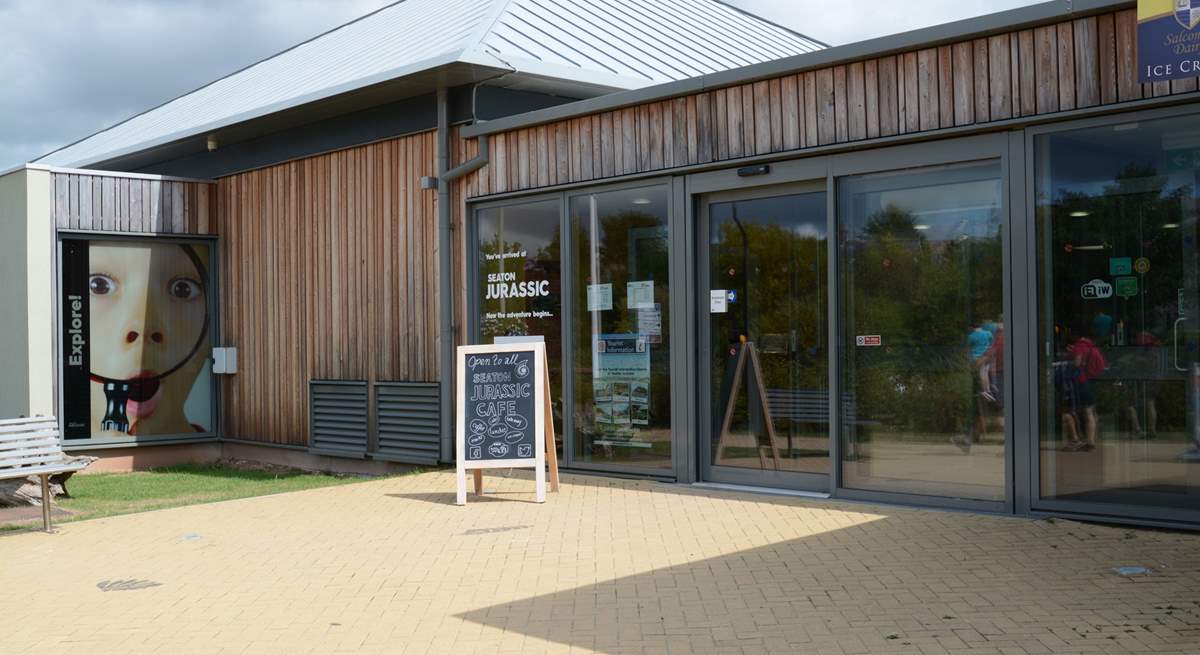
[[338, 415], [407, 422]]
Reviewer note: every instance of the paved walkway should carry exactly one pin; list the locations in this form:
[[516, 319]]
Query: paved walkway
[[613, 566]]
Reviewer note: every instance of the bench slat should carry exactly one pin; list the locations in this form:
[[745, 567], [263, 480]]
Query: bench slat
[[30, 436], [47, 445], [28, 427], [60, 467], [17, 462], [26, 419]]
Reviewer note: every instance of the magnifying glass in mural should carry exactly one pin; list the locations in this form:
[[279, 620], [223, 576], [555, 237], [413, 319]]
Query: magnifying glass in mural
[[148, 307]]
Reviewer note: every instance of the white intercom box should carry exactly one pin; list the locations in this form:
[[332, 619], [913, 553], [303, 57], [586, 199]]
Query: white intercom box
[[224, 361]]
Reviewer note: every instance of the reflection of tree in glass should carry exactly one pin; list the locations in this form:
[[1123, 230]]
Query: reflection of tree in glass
[[923, 295], [1089, 225], [783, 290], [1125, 218], [632, 247]]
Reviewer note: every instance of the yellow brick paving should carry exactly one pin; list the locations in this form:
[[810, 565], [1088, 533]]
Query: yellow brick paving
[[610, 566]]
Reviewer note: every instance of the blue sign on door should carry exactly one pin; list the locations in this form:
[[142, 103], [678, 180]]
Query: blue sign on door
[[1168, 39]]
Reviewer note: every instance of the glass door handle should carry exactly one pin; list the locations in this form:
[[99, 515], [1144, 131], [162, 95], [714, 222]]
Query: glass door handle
[[1175, 342]]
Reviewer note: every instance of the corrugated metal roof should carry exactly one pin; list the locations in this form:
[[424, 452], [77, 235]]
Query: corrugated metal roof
[[615, 44], [639, 42]]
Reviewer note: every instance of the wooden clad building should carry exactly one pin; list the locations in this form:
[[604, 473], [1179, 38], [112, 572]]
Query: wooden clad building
[[952, 267]]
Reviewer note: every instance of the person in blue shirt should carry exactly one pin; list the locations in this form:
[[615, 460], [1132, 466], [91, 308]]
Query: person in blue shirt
[[979, 340]]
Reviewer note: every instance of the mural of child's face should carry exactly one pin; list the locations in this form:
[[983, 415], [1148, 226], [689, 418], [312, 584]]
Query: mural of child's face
[[147, 311]]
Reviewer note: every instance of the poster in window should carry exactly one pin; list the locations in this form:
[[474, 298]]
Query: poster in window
[[136, 341]]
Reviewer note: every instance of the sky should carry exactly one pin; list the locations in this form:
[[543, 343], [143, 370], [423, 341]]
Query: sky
[[71, 67]]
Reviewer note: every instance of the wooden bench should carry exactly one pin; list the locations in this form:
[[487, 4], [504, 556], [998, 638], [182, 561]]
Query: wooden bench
[[805, 406], [31, 446]]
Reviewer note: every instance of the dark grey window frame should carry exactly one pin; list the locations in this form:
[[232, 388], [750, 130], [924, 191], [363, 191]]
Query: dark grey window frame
[[214, 330], [1013, 145], [563, 197], [994, 146], [1034, 504], [813, 482]]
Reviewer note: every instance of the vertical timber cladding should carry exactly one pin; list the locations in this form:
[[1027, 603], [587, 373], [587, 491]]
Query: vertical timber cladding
[[131, 204], [1072, 64], [328, 272]]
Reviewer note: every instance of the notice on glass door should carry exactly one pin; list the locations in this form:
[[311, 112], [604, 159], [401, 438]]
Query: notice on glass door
[[621, 387], [718, 301], [650, 323], [599, 297], [640, 294]]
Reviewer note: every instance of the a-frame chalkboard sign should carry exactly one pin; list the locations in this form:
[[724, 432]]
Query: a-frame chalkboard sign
[[504, 417]]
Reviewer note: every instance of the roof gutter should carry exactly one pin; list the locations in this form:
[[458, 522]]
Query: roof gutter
[[980, 26]]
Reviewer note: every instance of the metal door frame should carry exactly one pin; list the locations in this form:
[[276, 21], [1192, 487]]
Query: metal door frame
[[709, 471], [1031, 501]]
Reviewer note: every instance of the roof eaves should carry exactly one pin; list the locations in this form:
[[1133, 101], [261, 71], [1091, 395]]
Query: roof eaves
[[258, 112], [223, 77], [1004, 21]]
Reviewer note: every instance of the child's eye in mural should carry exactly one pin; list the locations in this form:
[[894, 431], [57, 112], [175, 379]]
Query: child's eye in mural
[[184, 288], [148, 337], [101, 285]]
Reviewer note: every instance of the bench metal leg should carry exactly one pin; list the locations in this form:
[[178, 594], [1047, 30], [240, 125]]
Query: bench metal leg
[[46, 502]]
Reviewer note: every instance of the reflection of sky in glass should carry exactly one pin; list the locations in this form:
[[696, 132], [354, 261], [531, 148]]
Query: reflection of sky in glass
[[780, 210], [648, 201], [529, 225], [1084, 160], [944, 212]]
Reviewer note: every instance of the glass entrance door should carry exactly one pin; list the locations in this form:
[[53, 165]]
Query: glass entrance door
[[1119, 320], [765, 287]]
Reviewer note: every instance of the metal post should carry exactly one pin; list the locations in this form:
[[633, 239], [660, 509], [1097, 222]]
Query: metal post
[[46, 502], [445, 177], [445, 287]]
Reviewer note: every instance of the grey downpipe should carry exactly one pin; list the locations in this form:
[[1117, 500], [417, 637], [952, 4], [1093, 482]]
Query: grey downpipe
[[446, 175]]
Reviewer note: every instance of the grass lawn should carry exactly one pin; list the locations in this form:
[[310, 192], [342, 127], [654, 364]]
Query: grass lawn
[[108, 494]]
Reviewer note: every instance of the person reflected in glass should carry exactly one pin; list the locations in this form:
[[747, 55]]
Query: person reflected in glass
[[979, 341], [1143, 388], [1077, 396]]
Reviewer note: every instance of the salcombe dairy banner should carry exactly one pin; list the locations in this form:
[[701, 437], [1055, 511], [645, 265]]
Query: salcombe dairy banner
[[135, 339], [1168, 41]]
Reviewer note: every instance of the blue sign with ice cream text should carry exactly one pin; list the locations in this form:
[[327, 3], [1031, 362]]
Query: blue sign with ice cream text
[[1168, 41]]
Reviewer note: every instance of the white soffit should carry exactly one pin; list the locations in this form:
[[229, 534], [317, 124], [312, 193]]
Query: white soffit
[[616, 44]]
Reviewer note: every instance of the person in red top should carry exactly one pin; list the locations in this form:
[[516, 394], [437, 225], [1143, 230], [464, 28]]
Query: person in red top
[[1085, 363]]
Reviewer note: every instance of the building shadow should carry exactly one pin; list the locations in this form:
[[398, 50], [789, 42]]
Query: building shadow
[[909, 581]]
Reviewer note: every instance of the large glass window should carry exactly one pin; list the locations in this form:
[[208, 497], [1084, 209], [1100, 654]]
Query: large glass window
[[520, 281], [620, 328], [1119, 353], [136, 339], [923, 340]]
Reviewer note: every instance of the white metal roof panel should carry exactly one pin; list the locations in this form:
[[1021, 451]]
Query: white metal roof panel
[[643, 41], [606, 43]]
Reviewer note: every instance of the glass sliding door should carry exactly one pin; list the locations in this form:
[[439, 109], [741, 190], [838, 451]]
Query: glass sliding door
[[620, 329], [766, 356], [922, 345], [1119, 318]]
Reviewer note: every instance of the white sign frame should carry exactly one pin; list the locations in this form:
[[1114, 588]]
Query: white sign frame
[[540, 400]]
